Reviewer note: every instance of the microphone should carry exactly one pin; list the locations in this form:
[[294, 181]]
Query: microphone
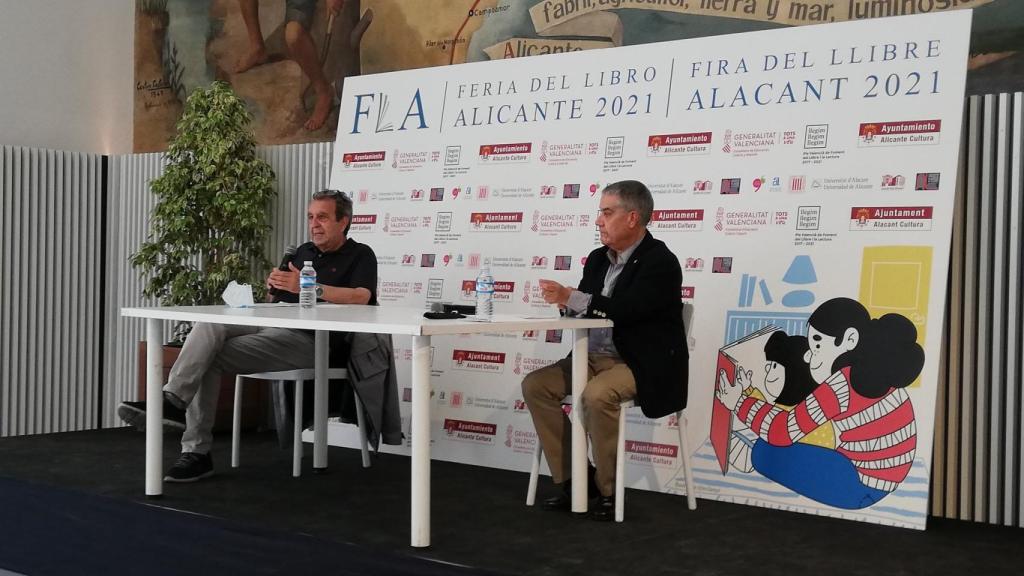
[[289, 253]]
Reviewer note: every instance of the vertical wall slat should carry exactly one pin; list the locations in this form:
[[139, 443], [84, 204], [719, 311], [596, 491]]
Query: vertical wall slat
[[1007, 446], [997, 309]]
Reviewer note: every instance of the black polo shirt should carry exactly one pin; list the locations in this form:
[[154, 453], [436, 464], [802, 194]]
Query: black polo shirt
[[354, 265]]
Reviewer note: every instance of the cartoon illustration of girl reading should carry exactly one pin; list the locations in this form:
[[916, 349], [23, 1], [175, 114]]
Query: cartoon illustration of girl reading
[[863, 366]]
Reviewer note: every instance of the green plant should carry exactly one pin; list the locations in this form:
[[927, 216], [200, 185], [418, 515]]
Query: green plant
[[211, 219]]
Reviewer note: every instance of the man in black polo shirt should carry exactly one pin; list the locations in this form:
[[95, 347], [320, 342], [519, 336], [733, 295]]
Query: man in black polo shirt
[[346, 274]]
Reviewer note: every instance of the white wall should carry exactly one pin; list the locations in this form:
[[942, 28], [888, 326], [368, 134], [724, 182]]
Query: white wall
[[66, 74]]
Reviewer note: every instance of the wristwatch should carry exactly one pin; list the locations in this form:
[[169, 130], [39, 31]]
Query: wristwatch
[[319, 291]]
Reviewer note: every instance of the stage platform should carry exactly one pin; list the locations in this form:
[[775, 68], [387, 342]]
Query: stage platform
[[73, 503]]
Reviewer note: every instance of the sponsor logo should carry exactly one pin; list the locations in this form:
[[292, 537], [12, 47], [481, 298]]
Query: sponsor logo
[[694, 264], [539, 262], [402, 225], [570, 191], [363, 196], [443, 222], [651, 453], [559, 154], [416, 194], [452, 155], [926, 181], [411, 161], [496, 221], [903, 133], [808, 217], [703, 187], [730, 186], [746, 143], [481, 432], [686, 292], [363, 160], [563, 262], [436, 194], [547, 191], [893, 182], [679, 220], [815, 136], [797, 184], [682, 144], [887, 218], [546, 224], [506, 153], [721, 265], [478, 361], [435, 289], [427, 260], [613, 146], [521, 441], [363, 223]]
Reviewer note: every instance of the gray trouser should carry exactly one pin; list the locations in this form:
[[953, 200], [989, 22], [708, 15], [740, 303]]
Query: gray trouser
[[212, 349]]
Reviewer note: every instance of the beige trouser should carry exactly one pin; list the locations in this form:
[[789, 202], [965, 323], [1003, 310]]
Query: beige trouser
[[212, 349], [609, 382]]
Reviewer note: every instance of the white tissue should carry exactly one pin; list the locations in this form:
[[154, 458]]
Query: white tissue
[[238, 295]]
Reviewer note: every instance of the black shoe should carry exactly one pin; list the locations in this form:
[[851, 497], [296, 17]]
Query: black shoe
[[563, 501], [191, 466], [603, 509], [134, 415]]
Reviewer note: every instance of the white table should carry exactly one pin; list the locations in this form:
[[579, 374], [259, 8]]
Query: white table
[[366, 319]]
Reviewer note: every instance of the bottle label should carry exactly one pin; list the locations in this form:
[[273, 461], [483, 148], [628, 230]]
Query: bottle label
[[484, 287], [307, 281]]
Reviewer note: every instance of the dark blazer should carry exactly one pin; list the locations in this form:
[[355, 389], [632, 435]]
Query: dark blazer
[[648, 314]]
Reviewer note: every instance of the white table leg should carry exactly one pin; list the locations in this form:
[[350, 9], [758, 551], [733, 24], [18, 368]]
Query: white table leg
[[420, 431], [154, 407], [320, 402], [579, 436]]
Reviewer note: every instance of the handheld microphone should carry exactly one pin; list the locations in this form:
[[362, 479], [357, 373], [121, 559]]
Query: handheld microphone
[[289, 253]]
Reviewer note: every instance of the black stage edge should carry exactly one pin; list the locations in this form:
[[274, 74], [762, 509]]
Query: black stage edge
[[73, 503]]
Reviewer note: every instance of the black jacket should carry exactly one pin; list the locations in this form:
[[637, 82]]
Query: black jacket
[[648, 314]]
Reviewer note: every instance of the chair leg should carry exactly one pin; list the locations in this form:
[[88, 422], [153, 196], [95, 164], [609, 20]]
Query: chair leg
[[531, 491], [364, 443], [236, 422], [620, 468], [684, 453], [297, 432]]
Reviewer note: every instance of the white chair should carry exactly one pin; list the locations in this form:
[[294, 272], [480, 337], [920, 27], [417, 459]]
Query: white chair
[[620, 451], [620, 462], [298, 377]]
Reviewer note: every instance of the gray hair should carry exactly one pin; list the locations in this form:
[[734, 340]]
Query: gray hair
[[342, 205], [634, 196]]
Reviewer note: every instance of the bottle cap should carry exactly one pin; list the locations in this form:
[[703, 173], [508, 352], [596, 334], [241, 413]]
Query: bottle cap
[[307, 262]]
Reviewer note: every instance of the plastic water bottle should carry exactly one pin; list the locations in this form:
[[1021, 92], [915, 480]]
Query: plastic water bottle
[[485, 291], [307, 285]]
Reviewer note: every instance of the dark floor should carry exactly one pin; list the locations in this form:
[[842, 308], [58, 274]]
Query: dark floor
[[479, 519]]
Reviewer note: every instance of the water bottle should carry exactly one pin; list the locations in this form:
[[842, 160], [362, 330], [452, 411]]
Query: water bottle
[[307, 285], [485, 291]]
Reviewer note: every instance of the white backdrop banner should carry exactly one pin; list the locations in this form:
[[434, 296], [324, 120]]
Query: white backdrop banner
[[805, 179]]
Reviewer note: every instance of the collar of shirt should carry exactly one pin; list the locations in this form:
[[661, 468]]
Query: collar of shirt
[[621, 257]]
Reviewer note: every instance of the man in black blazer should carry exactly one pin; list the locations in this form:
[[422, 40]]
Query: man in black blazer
[[633, 280]]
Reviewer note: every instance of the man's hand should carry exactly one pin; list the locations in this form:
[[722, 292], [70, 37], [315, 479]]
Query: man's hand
[[554, 293], [335, 6], [287, 281]]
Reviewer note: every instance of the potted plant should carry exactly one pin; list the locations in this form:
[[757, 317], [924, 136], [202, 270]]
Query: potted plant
[[211, 219]]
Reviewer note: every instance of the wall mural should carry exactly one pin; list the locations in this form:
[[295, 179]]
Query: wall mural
[[288, 58]]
